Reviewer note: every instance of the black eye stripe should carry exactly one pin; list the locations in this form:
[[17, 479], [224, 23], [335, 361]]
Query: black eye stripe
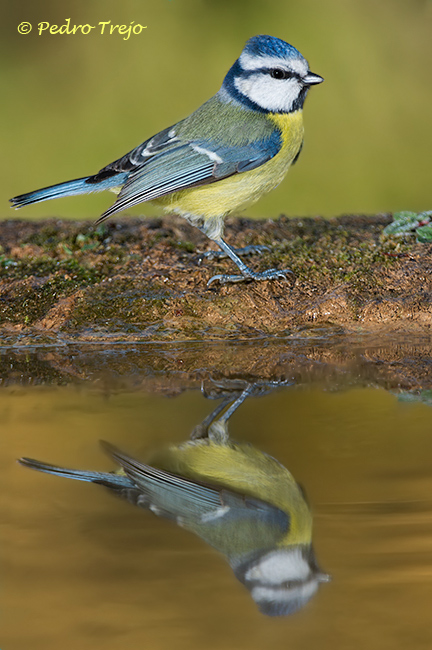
[[286, 74], [279, 73]]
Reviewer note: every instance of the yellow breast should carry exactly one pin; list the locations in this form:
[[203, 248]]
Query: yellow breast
[[233, 193], [246, 470]]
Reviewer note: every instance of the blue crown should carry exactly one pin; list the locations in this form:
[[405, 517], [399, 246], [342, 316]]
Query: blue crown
[[270, 46]]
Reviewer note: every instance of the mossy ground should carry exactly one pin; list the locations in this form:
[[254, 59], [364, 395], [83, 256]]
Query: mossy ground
[[137, 279]]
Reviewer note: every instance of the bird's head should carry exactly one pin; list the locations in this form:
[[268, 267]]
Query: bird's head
[[282, 580], [269, 76]]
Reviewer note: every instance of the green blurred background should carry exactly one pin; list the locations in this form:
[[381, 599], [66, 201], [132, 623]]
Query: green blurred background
[[73, 103]]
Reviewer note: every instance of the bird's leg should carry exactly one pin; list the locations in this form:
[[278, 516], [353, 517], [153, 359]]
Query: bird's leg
[[247, 275], [244, 251], [201, 430], [218, 430]]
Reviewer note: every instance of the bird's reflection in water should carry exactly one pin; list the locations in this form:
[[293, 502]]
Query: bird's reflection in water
[[238, 499]]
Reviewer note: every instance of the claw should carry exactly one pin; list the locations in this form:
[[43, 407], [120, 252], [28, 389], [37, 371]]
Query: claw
[[275, 274], [228, 279], [270, 274], [257, 249], [247, 275]]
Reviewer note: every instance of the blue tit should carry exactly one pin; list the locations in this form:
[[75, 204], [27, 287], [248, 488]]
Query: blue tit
[[241, 501], [228, 153]]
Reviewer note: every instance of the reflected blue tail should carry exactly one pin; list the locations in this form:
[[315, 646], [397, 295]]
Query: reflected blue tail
[[105, 478]]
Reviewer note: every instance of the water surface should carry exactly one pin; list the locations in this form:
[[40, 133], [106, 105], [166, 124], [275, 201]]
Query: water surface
[[84, 569]]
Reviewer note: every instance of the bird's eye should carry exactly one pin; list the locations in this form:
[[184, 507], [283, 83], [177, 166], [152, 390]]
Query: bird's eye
[[277, 73]]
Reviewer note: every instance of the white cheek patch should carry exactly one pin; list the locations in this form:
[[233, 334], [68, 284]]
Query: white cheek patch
[[278, 567], [270, 94]]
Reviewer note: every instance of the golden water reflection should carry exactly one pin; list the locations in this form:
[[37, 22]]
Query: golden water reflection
[[83, 570], [242, 502]]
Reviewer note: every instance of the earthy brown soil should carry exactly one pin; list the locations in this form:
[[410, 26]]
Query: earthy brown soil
[[142, 280]]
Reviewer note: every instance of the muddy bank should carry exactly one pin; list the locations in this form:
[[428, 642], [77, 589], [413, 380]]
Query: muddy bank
[[140, 280]]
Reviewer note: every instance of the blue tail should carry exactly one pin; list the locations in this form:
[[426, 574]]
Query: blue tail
[[105, 478], [70, 188]]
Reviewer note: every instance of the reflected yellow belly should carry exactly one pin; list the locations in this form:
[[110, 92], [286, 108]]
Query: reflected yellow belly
[[243, 469], [233, 193]]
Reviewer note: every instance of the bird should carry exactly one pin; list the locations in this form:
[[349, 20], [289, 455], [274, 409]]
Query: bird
[[225, 155], [239, 500]]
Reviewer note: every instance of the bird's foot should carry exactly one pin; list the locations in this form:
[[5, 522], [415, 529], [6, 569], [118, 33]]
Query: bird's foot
[[271, 274], [246, 250]]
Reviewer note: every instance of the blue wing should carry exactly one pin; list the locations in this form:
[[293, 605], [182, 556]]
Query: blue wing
[[166, 164], [230, 521], [176, 497]]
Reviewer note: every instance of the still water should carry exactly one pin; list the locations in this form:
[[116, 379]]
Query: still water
[[84, 569]]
